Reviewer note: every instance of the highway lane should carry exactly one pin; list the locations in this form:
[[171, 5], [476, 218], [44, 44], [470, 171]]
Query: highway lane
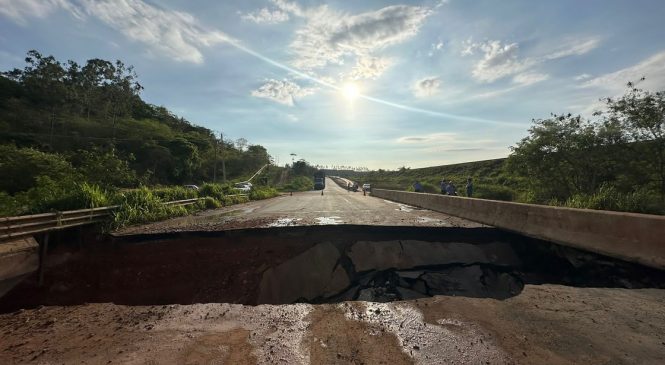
[[335, 206]]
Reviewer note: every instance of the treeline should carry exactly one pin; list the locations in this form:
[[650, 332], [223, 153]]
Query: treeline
[[612, 161], [62, 120]]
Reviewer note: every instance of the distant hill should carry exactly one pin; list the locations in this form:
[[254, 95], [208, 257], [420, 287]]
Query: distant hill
[[93, 114], [490, 179]]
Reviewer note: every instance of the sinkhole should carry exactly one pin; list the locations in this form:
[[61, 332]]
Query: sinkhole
[[317, 264]]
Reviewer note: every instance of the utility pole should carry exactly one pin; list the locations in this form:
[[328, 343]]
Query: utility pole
[[221, 138], [214, 166]]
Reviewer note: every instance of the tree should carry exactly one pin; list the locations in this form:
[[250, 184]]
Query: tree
[[241, 144], [105, 168], [642, 114], [565, 155], [20, 168]]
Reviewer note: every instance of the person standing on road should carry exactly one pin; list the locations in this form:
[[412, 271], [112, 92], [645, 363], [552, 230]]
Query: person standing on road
[[451, 189], [444, 185], [469, 187]]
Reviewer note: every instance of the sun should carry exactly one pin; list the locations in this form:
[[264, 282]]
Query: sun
[[351, 90]]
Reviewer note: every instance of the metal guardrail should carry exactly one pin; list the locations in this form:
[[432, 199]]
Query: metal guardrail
[[29, 225]]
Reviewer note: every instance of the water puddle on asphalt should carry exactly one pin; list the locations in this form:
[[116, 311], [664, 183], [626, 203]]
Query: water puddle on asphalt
[[328, 220], [402, 207], [284, 222]]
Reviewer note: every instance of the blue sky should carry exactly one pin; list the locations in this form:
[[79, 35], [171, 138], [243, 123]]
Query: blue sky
[[373, 83]]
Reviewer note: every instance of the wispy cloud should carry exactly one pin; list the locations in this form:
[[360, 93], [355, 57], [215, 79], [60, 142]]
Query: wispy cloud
[[282, 91], [529, 78], [435, 48], [368, 67], [20, 10], [266, 16], [175, 34], [501, 59], [576, 48], [428, 138], [426, 87], [330, 36], [652, 68]]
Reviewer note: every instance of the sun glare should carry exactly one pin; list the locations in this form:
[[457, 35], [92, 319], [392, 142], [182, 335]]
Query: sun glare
[[351, 90]]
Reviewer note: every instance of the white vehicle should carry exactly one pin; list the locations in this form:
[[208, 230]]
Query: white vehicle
[[367, 187], [244, 187]]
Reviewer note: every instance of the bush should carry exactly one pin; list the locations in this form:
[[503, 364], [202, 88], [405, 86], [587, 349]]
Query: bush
[[234, 199], [21, 168], [609, 198], [212, 190], [209, 203], [262, 193], [299, 183], [9, 206], [496, 192], [142, 206], [168, 194]]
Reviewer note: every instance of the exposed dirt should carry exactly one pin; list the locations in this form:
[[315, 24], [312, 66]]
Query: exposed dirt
[[543, 325], [314, 265], [335, 339]]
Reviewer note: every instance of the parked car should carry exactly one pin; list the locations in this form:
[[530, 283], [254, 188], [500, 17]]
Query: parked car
[[367, 187], [244, 187], [193, 187]]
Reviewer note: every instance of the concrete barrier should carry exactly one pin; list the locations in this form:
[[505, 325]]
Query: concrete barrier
[[18, 259], [628, 236]]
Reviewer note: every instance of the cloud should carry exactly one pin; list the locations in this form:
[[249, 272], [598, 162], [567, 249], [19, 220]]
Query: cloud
[[499, 60], [426, 87], [266, 16], [329, 36], [435, 48], [20, 10], [289, 7], [445, 142], [529, 78], [368, 67], [582, 77], [653, 68], [172, 33], [502, 60], [175, 34], [282, 91], [429, 138], [574, 49]]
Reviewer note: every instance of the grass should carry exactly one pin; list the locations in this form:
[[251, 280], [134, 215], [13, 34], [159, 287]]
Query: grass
[[141, 205], [490, 181], [298, 183]]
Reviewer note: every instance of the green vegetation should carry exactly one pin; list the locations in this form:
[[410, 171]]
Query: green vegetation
[[79, 136], [615, 161], [299, 183]]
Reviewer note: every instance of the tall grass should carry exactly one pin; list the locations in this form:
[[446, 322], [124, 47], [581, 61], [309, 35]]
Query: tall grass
[[609, 198], [141, 206]]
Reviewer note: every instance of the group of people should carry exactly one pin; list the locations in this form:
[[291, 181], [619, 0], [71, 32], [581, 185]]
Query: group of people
[[447, 187]]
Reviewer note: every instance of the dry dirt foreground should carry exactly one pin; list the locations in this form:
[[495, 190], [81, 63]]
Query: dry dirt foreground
[[545, 324]]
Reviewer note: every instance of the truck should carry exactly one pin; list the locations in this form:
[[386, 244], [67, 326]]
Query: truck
[[319, 180]]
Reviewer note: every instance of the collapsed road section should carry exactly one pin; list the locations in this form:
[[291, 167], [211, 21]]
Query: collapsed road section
[[316, 264]]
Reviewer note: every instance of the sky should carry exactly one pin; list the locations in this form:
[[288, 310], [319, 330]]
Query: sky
[[377, 84]]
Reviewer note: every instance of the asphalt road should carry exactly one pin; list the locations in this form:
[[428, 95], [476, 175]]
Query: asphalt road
[[335, 206]]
